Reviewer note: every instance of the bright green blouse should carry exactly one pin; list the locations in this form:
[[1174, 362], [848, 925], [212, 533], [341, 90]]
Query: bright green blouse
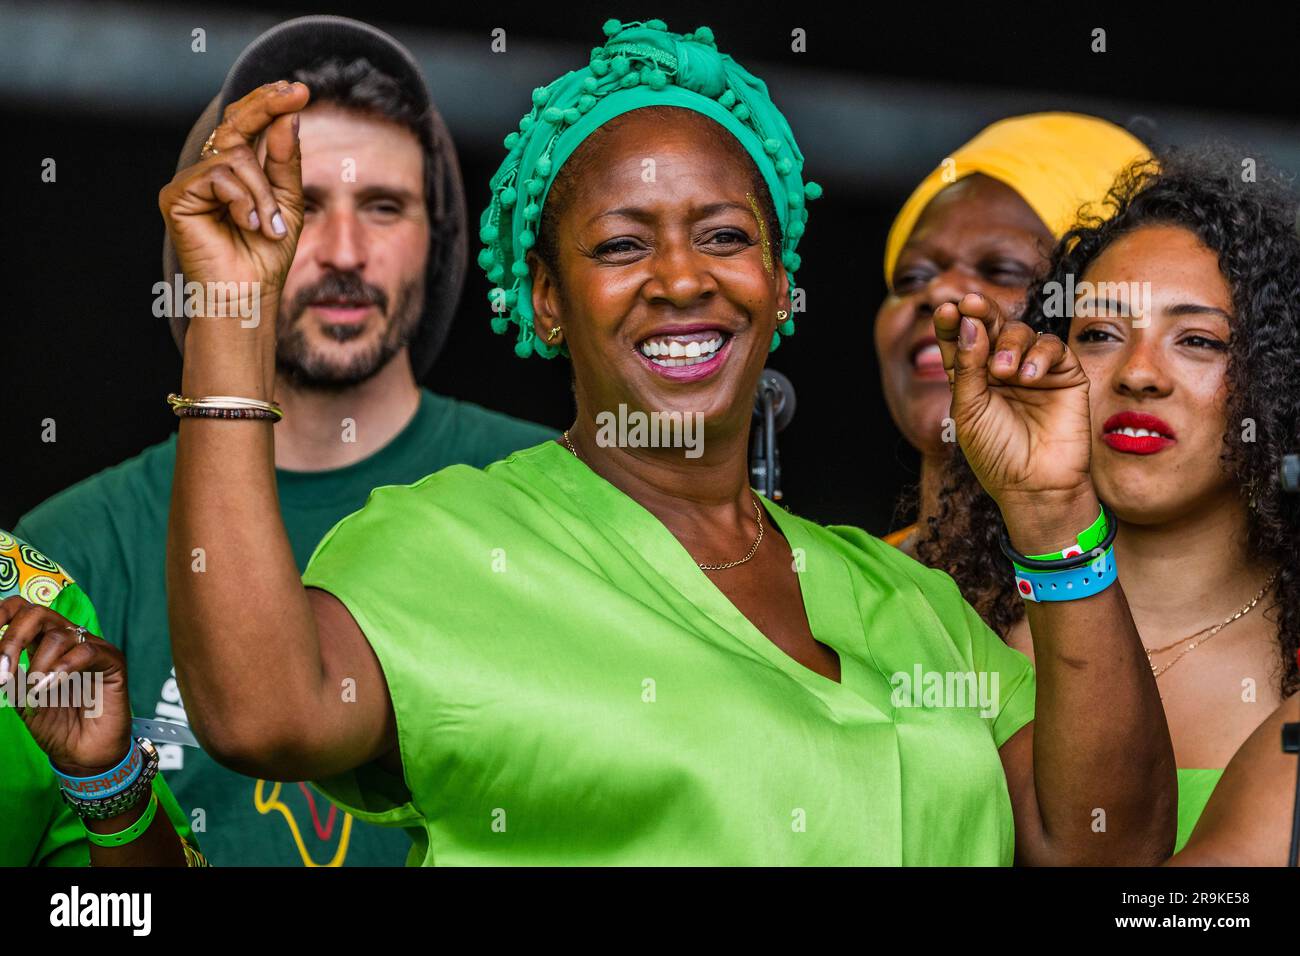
[[570, 688]]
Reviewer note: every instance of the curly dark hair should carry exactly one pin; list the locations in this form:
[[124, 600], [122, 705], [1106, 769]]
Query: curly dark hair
[[1252, 227]]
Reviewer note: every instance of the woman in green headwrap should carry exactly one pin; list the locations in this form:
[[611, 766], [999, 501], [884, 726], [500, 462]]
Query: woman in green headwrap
[[609, 649]]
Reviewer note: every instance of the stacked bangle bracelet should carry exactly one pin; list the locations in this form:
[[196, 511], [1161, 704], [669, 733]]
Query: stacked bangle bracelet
[[1082, 570], [106, 795], [224, 406], [114, 792]]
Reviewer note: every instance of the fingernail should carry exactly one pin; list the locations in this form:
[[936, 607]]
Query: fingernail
[[277, 225], [966, 333], [4, 668], [1030, 370], [253, 220], [1004, 357]]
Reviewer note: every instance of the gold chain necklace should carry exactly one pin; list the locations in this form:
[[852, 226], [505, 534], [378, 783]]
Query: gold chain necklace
[[758, 516], [1241, 612]]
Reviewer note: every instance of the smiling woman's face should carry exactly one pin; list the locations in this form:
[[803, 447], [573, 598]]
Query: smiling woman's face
[[661, 293], [1157, 393], [977, 235]]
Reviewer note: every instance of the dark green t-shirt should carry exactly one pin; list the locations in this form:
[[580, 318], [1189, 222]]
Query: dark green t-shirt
[[110, 532]]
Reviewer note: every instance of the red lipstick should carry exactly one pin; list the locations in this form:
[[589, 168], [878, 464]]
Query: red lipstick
[[1159, 434]]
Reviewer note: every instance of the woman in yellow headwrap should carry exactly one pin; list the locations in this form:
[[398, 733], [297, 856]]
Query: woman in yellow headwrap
[[983, 221]]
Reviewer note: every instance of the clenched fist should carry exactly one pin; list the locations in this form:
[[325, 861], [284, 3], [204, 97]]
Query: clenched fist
[[1020, 406]]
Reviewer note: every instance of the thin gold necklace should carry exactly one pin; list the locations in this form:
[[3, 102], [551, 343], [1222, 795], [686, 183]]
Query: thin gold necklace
[[1241, 612], [758, 516]]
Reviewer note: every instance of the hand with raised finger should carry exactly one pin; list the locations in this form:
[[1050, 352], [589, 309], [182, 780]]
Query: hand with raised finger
[[1020, 406], [74, 693], [232, 216]]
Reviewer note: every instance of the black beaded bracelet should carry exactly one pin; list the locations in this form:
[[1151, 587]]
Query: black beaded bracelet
[[200, 412], [1062, 564]]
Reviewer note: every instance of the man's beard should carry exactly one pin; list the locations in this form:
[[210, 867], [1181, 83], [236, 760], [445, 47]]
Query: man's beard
[[305, 368]]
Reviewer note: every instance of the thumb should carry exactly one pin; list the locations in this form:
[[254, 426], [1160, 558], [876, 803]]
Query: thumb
[[284, 157], [970, 391]]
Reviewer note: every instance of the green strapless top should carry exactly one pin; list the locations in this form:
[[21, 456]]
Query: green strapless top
[[1194, 789]]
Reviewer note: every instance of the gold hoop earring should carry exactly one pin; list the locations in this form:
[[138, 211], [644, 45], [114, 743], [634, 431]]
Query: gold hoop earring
[[782, 315], [550, 336]]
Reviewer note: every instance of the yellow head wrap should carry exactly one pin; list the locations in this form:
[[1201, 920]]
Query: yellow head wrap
[[1057, 162]]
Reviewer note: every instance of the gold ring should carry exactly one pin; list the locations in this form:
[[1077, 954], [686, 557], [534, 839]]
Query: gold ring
[[208, 149]]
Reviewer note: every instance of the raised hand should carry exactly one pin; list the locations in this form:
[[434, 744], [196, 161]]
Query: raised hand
[[81, 736], [231, 216], [1020, 410]]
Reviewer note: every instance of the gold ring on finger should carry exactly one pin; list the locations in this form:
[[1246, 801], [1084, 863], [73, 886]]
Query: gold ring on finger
[[208, 149], [80, 632]]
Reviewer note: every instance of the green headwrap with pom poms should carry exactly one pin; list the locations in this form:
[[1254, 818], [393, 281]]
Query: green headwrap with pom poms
[[641, 64]]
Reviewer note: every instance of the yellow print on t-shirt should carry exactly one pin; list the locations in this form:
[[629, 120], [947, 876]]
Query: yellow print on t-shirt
[[266, 804]]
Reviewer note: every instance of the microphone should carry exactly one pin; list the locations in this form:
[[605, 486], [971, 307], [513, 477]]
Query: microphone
[[1290, 473], [771, 382], [774, 405]]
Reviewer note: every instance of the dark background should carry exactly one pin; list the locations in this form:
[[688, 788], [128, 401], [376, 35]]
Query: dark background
[[880, 97]]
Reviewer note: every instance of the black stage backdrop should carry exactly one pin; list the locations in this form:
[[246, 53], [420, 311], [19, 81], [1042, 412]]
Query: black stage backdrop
[[81, 346]]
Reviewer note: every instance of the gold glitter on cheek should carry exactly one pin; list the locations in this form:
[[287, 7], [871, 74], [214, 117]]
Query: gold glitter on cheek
[[762, 235]]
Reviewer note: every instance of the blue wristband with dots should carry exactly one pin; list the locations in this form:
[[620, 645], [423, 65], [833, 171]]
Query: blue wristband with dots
[[1070, 584]]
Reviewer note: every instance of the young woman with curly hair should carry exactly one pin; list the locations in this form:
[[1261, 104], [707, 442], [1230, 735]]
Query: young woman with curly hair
[[1183, 307]]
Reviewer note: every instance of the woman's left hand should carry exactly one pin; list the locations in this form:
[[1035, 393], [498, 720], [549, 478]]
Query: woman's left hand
[[1021, 414], [82, 735]]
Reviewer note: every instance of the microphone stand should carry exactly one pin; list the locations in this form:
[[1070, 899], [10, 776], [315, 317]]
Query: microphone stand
[[765, 469]]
